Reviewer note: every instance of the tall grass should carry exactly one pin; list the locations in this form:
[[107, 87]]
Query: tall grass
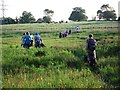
[[61, 63]]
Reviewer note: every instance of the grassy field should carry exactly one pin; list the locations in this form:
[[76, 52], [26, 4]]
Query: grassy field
[[61, 63]]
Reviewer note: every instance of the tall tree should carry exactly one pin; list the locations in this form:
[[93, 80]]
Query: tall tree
[[16, 20], [27, 17], [48, 15], [48, 12], [40, 20], [78, 14], [100, 14], [46, 19], [106, 12], [105, 7], [8, 20]]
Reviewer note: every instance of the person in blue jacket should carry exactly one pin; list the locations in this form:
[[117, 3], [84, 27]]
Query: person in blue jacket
[[37, 40], [27, 40]]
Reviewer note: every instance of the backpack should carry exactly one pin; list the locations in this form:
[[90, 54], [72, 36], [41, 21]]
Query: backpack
[[91, 44]]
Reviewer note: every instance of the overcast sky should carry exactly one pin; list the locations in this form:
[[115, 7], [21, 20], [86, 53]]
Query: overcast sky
[[62, 8]]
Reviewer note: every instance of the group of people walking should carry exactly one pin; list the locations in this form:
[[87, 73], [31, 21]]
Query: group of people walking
[[68, 32], [64, 34], [28, 39]]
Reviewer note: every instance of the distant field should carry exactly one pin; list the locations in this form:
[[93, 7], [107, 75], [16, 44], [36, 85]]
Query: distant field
[[61, 63], [55, 27]]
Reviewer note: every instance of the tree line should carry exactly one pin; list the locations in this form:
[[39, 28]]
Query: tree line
[[78, 14]]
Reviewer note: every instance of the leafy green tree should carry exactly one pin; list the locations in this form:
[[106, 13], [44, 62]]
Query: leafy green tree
[[105, 7], [106, 12], [48, 12], [40, 20], [78, 14], [46, 19], [48, 15], [100, 14], [8, 20], [16, 20], [27, 17], [109, 15]]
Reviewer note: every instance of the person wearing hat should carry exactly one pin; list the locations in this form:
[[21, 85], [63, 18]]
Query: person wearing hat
[[37, 39], [27, 40], [90, 47]]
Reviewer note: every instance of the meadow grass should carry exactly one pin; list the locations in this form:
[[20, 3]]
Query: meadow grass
[[61, 63]]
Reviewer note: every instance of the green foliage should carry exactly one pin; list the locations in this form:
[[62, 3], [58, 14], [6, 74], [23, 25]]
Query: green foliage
[[61, 63], [55, 78], [26, 17], [110, 68], [8, 20], [46, 19], [106, 12], [78, 14], [48, 15], [109, 15], [48, 12]]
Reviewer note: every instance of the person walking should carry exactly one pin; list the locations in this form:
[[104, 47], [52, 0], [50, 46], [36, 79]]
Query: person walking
[[31, 38], [27, 40], [23, 39], [60, 35], [37, 39], [90, 47], [77, 29]]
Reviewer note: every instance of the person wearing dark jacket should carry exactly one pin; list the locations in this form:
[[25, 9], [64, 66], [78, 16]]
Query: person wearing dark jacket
[[90, 47]]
